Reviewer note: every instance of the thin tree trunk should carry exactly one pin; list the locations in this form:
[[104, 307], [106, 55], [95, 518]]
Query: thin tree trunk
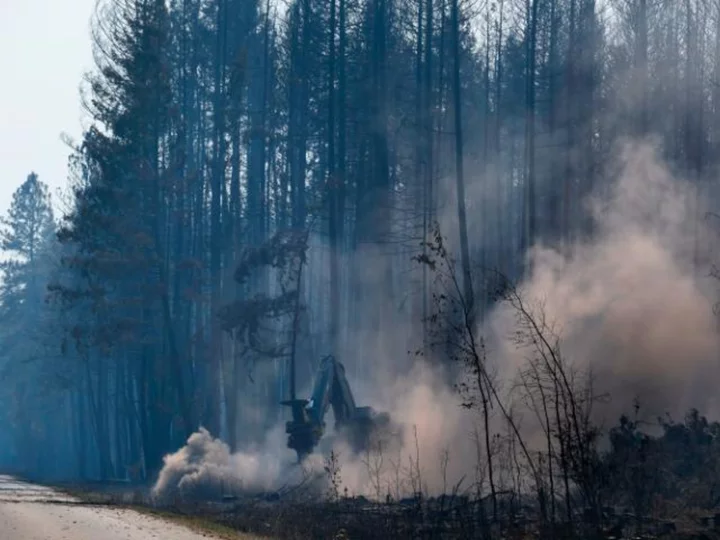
[[340, 171], [332, 190], [428, 138], [530, 225], [459, 166]]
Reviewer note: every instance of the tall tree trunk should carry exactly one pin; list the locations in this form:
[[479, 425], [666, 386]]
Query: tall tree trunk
[[341, 169], [530, 225], [499, 183], [641, 67], [332, 189], [420, 188], [459, 165], [212, 393], [380, 190], [555, 196], [570, 107], [429, 167]]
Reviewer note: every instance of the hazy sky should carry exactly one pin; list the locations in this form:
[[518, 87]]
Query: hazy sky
[[44, 51]]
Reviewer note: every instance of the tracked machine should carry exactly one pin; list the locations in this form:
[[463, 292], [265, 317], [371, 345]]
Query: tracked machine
[[360, 426]]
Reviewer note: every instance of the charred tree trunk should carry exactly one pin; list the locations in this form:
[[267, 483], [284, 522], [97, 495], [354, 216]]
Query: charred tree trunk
[[459, 165]]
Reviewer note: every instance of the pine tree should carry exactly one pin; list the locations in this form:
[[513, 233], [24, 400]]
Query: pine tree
[[26, 240], [117, 230]]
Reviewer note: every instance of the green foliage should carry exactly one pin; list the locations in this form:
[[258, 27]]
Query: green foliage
[[27, 241], [112, 250], [28, 355], [29, 223], [245, 319]]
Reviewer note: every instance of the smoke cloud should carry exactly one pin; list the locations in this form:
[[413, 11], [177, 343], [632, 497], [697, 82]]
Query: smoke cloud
[[434, 426], [627, 302], [205, 468]]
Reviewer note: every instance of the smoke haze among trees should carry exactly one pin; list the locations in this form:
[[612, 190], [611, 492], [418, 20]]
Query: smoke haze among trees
[[248, 160]]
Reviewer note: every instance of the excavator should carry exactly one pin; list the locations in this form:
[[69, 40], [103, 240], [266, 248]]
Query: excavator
[[359, 425]]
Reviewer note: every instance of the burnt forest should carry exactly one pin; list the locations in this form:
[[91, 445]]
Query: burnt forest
[[379, 269]]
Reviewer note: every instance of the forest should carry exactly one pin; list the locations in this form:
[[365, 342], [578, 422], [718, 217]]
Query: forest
[[388, 181]]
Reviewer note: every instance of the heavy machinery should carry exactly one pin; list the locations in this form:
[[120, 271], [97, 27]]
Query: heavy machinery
[[359, 425]]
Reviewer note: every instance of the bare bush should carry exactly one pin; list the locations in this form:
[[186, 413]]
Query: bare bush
[[553, 389]]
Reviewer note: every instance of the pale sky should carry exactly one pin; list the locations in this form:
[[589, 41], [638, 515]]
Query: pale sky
[[44, 51]]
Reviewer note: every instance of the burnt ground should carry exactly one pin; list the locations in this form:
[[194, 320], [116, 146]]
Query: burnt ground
[[293, 514]]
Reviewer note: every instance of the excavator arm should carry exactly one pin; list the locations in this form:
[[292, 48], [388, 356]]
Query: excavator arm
[[331, 389]]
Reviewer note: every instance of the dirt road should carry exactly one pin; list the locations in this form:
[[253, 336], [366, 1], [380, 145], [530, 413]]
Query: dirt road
[[32, 512]]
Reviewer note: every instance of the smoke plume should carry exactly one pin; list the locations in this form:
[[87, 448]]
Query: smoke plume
[[633, 303], [205, 468], [630, 303]]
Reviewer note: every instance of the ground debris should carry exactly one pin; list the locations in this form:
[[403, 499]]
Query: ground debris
[[294, 513]]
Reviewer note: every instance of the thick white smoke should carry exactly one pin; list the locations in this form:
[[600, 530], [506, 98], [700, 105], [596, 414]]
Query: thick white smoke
[[630, 303], [206, 468]]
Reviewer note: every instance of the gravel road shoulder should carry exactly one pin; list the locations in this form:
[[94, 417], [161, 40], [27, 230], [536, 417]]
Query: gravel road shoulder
[[32, 512]]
